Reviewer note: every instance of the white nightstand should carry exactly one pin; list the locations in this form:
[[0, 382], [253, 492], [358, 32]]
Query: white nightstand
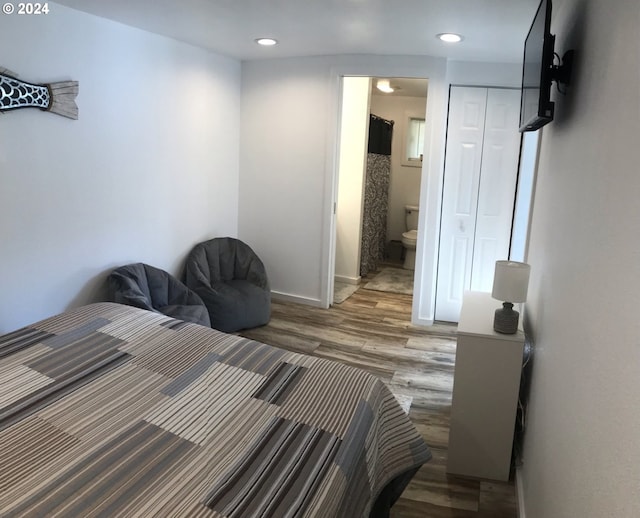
[[485, 392]]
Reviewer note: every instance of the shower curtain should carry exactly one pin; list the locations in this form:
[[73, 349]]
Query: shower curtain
[[376, 194]]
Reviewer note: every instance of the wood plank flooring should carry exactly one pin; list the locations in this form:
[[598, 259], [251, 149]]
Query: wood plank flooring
[[373, 330]]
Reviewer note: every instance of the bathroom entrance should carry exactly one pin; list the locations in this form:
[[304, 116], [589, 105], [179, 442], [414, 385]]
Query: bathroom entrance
[[384, 261]]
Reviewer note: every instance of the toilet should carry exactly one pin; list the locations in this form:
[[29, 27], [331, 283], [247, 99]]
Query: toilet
[[410, 237]]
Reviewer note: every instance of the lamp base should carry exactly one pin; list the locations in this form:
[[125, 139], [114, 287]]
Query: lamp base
[[506, 319]]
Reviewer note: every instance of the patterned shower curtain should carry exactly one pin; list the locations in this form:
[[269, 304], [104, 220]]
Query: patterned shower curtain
[[376, 194]]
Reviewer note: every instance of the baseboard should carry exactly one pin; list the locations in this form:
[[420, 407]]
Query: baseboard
[[520, 493], [348, 280], [288, 297]]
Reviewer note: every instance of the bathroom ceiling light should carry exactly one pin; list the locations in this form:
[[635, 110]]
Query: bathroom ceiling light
[[449, 37], [266, 42], [384, 86]]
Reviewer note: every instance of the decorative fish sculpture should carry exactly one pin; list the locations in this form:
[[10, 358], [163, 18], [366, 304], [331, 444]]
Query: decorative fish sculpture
[[53, 97]]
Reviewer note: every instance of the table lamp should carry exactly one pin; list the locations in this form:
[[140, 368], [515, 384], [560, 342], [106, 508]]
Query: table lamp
[[510, 284]]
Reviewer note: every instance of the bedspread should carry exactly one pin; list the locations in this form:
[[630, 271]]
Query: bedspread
[[108, 410]]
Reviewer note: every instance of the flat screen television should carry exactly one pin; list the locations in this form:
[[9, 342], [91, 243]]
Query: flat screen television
[[536, 108]]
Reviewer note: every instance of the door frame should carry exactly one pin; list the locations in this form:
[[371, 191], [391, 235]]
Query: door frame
[[430, 185]]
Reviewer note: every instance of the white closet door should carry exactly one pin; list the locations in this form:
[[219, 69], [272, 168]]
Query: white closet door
[[465, 134], [496, 195], [480, 174]]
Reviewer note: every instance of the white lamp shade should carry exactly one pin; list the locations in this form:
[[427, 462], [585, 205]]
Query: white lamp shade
[[511, 281]]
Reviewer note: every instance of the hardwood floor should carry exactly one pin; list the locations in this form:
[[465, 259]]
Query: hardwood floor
[[372, 330]]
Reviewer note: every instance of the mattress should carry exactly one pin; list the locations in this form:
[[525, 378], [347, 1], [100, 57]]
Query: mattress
[[109, 410]]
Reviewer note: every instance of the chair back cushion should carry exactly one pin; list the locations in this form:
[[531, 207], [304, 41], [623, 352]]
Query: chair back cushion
[[232, 282], [224, 259], [147, 287], [129, 285]]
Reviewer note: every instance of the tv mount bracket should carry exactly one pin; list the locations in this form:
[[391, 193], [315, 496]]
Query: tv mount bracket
[[561, 73]]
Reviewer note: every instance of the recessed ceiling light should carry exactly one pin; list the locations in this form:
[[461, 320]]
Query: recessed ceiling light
[[384, 86], [267, 42], [449, 37]]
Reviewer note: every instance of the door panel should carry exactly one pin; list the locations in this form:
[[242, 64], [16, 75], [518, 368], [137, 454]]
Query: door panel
[[465, 133], [484, 263], [465, 198], [481, 165], [496, 194]]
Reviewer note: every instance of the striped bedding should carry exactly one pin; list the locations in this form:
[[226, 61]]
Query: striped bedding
[[108, 410]]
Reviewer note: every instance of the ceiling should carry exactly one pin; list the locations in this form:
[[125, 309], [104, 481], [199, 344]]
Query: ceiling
[[493, 30]]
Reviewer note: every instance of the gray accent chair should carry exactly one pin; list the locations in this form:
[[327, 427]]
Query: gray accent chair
[[232, 281], [153, 289]]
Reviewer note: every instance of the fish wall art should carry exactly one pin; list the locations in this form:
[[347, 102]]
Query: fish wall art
[[57, 98]]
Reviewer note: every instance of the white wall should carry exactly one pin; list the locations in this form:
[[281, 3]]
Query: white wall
[[472, 73], [289, 153], [404, 181], [354, 130], [282, 162], [582, 441], [149, 169]]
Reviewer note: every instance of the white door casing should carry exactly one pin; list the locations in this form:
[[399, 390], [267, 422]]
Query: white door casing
[[480, 174]]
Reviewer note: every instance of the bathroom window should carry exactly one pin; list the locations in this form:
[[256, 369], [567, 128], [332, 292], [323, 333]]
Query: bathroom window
[[414, 141]]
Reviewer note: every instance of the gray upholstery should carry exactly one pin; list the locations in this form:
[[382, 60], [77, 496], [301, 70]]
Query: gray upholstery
[[150, 288], [232, 281]]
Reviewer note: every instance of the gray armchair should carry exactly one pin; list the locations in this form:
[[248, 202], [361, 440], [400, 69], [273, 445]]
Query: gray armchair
[[232, 282], [150, 288]]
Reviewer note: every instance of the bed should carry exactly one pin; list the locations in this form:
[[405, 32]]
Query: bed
[[110, 410]]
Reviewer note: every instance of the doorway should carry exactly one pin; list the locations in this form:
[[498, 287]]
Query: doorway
[[361, 97]]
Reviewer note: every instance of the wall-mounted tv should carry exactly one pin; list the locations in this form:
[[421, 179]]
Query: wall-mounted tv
[[536, 108]]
